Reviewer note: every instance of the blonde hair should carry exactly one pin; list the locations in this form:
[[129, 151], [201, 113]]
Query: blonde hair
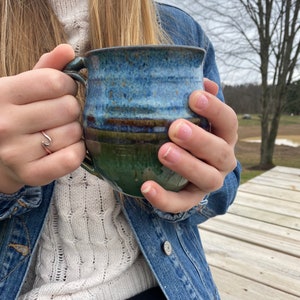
[[29, 28]]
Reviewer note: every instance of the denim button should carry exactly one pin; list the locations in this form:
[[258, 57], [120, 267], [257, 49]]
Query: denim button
[[167, 248]]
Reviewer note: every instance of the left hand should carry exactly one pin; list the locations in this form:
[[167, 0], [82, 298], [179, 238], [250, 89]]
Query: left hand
[[204, 158]]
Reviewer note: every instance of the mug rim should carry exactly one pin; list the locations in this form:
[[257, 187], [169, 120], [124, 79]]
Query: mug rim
[[148, 47]]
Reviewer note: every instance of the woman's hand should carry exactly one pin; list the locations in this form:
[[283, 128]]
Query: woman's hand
[[42, 99], [204, 158]]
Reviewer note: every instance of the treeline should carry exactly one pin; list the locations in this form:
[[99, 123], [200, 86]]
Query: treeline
[[245, 99]]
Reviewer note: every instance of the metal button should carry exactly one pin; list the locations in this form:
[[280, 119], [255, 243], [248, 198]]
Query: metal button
[[167, 248]]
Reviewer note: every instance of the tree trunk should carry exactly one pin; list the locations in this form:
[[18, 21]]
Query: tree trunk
[[267, 147], [269, 128]]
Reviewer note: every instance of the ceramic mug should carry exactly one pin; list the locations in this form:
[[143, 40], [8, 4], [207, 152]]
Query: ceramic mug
[[132, 96]]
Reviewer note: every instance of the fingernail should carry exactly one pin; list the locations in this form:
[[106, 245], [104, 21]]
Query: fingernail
[[201, 102], [148, 190], [171, 155], [183, 131]]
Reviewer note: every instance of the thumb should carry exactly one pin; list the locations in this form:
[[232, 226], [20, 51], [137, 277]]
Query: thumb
[[57, 58]]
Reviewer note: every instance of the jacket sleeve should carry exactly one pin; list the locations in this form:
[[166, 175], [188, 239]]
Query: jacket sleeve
[[215, 203], [219, 201], [20, 202]]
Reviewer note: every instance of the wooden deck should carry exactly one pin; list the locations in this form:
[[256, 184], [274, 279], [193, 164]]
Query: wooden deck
[[254, 250]]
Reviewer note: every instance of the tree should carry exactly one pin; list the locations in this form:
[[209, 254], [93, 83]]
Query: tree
[[293, 99], [261, 35], [244, 99]]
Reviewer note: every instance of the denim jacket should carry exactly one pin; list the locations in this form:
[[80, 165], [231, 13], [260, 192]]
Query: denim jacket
[[170, 242]]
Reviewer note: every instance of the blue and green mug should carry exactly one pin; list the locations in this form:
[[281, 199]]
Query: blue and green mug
[[133, 94]]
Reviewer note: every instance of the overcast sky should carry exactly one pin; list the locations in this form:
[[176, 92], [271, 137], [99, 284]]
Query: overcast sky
[[243, 66], [227, 75]]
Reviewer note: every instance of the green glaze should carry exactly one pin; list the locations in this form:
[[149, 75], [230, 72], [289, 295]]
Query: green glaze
[[128, 160], [133, 94]]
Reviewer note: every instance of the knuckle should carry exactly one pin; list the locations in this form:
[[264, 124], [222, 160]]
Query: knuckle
[[74, 131], [234, 123], [75, 108], [214, 182], [60, 83], [233, 164], [70, 107], [73, 158], [217, 183], [56, 82], [224, 155]]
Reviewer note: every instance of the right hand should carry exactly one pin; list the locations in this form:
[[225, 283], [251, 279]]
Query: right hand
[[42, 99]]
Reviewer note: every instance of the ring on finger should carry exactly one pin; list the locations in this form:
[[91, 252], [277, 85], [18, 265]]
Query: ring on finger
[[47, 142]]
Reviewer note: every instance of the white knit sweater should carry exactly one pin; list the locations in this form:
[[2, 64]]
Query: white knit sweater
[[87, 249]]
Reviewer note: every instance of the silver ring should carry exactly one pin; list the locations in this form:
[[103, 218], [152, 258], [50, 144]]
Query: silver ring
[[46, 143]]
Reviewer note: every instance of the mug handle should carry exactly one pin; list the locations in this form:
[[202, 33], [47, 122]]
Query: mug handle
[[72, 69]]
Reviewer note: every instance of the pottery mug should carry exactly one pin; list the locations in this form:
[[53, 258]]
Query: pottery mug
[[132, 96]]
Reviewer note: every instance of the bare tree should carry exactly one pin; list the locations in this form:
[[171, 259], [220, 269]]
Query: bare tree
[[261, 35]]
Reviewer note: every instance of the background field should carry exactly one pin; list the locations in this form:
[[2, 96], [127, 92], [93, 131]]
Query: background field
[[249, 153]]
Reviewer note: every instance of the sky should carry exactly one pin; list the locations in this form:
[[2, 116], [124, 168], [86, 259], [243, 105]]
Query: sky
[[233, 70], [228, 75]]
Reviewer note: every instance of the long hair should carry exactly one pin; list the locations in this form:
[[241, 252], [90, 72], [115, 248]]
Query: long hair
[[30, 28]]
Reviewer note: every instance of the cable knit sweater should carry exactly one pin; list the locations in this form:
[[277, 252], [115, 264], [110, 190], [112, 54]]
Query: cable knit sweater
[[87, 249]]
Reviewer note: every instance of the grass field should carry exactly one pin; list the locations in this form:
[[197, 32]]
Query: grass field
[[249, 153]]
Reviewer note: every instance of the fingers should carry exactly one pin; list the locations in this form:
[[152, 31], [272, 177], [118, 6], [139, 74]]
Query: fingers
[[46, 169], [25, 161], [57, 58], [46, 81], [36, 100], [196, 170], [223, 119], [210, 86], [191, 140], [203, 158], [172, 202], [37, 85], [47, 114], [30, 145], [61, 137]]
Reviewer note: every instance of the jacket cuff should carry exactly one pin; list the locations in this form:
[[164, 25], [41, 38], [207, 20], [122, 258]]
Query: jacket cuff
[[20, 202], [182, 215]]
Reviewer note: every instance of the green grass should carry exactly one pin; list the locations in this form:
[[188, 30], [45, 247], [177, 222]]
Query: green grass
[[249, 174], [249, 153], [255, 120]]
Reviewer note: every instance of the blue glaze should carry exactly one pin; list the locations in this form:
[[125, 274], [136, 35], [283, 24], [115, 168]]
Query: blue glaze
[[141, 83], [132, 96]]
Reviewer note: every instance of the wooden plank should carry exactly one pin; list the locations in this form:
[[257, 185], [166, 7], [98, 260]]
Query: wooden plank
[[254, 249], [259, 233], [235, 287], [273, 192], [279, 206], [268, 267], [257, 225], [284, 183], [286, 170], [266, 216], [283, 176]]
